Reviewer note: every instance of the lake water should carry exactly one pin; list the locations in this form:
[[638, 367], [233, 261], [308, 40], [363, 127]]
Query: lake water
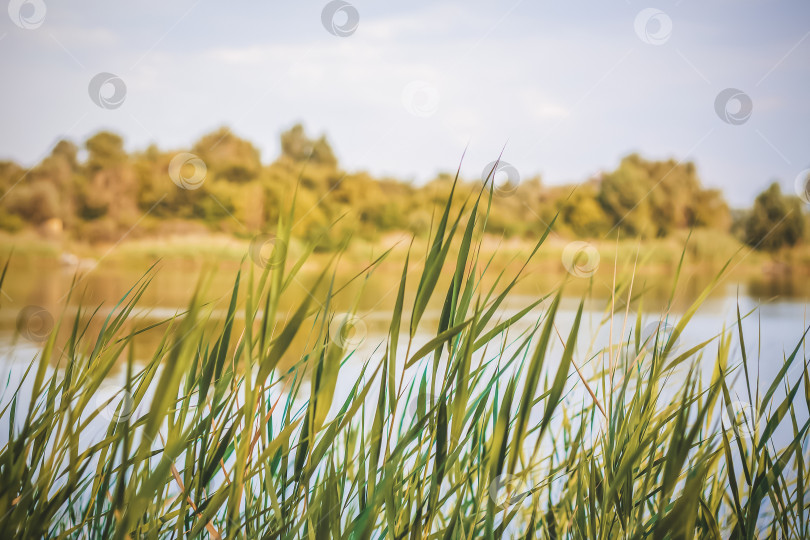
[[771, 331], [42, 283]]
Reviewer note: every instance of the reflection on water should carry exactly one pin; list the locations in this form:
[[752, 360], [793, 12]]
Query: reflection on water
[[771, 331], [62, 292]]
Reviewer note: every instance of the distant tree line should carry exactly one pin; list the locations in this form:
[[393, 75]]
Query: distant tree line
[[109, 192]]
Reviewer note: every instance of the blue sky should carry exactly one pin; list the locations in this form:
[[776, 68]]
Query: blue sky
[[568, 87]]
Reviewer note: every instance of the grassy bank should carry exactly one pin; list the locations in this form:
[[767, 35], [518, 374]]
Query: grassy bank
[[707, 250], [459, 431]]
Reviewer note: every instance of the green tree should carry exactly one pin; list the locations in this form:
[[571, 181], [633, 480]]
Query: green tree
[[296, 145], [228, 157], [105, 150], [35, 202], [583, 213], [776, 220], [624, 194], [654, 198], [109, 186], [709, 209], [62, 169]]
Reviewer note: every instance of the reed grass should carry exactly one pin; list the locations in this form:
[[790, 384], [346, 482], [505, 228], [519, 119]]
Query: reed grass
[[461, 429]]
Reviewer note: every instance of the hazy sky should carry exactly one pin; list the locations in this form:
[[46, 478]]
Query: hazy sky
[[569, 87]]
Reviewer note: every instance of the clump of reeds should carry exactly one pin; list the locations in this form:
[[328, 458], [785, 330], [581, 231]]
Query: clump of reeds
[[466, 434]]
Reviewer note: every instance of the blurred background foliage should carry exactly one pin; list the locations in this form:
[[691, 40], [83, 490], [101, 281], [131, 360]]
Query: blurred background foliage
[[99, 192]]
